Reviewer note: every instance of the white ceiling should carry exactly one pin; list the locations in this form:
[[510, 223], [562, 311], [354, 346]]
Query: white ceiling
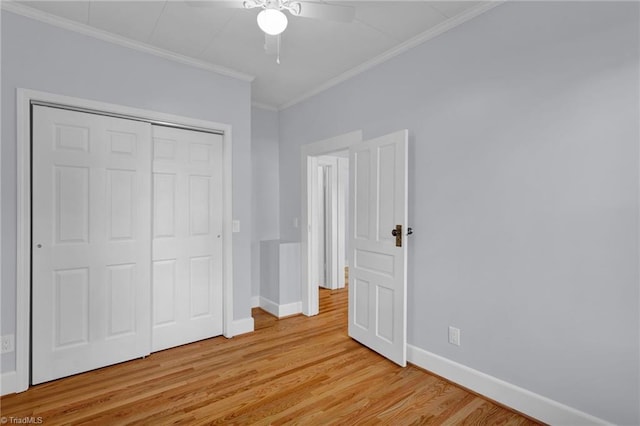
[[314, 53]]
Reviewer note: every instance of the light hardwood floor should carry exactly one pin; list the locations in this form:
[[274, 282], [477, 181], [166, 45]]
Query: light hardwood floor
[[296, 370]]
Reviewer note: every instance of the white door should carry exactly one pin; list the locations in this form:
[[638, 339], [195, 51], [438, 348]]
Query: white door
[[187, 236], [377, 266], [91, 242]]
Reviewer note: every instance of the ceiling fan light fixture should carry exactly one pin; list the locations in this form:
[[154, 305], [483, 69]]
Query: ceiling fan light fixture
[[272, 21]]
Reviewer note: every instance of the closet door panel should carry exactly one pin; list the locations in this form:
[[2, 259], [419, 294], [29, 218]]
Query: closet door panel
[[91, 254], [187, 237]]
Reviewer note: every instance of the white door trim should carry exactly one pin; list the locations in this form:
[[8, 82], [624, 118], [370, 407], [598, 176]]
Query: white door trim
[[338, 179], [309, 291], [23, 263]]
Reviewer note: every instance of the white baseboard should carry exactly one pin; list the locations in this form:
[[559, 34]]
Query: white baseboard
[[290, 309], [242, 326], [269, 306], [255, 301], [280, 310], [522, 400], [8, 382]]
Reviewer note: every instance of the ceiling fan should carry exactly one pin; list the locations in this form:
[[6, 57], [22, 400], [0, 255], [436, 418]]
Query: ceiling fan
[[273, 20]]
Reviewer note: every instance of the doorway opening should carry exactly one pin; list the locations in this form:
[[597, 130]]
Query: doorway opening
[[377, 196], [329, 218], [325, 201]]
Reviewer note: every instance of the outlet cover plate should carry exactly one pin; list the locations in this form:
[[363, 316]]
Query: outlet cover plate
[[454, 336], [7, 344]]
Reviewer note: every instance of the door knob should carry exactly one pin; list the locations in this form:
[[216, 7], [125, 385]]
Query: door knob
[[398, 234]]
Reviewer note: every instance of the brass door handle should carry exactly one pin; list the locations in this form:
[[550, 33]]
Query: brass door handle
[[398, 234]]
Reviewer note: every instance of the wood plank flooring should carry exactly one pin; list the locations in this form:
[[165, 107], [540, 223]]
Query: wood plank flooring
[[296, 370]]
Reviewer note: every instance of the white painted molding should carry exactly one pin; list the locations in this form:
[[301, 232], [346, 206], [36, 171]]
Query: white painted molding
[[67, 24], [242, 326], [264, 106], [269, 306], [23, 242], [280, 311], [522, 400], [21, 9], [397, 50], [308, 290], [290, 309], [8, 383], [255, 301]]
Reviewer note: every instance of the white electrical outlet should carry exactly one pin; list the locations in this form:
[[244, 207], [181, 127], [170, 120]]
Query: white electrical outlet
[[7, 344], [454, 336]]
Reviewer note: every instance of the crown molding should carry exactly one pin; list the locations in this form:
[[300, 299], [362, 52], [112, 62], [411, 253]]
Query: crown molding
[[67, 24], [268, 107], [395, 51], [21, 9]]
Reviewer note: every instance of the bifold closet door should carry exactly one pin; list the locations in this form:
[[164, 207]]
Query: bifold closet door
[[187, 236], [91, 236]]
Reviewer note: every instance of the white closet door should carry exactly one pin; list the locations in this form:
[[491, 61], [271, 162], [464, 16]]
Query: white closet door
[[187, 236], [91, 242]]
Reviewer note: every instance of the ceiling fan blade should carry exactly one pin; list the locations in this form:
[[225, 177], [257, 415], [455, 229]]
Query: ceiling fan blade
[[329, 12], [271, 44], [215, 3], [252, 4]]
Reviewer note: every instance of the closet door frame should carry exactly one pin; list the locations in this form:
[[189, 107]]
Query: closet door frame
[[25, 97]]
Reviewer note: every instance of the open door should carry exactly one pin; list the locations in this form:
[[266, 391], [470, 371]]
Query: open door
[[377, 248]]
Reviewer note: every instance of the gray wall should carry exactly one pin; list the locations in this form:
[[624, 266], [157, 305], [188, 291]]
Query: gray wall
[[42, 57], [270, 270], [523, 193], [266, 190]]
